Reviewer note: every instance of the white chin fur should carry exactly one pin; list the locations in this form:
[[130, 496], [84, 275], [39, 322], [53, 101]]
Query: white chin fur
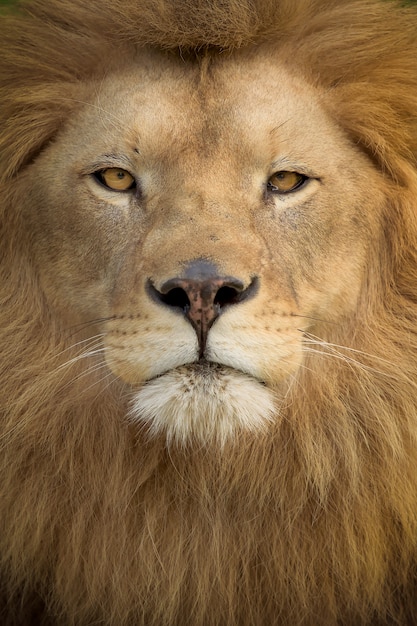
[[207, 403]]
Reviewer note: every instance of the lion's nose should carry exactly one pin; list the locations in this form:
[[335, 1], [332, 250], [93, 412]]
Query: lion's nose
[[202, 299]]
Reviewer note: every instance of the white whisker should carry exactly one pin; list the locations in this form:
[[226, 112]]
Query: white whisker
[[80, 357], [111, 118], [350, 356], [314, 340]]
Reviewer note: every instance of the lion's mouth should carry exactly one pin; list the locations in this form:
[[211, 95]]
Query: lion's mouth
[[207, 370]]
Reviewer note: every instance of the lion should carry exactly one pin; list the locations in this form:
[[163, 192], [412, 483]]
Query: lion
[[208, 313]]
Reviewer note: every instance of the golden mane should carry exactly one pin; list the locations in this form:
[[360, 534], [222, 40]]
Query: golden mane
[[86, 503]]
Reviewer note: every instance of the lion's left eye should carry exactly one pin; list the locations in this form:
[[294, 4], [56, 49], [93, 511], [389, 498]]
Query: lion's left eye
[[285, 182], [116, 179]]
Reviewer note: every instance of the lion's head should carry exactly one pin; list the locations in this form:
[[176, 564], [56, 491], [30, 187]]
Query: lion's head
[[208, 323]]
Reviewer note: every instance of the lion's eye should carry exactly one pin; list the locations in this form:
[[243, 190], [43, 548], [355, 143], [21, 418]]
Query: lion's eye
[[116, 179], [285, 182]]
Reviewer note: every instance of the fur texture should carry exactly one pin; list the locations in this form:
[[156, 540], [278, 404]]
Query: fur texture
[[310, 518]]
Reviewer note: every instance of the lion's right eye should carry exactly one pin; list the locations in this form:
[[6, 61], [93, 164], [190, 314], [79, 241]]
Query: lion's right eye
[[116, 179], [285, 181]]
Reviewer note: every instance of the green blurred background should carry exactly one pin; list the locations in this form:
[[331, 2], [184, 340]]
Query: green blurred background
[[5, 2]]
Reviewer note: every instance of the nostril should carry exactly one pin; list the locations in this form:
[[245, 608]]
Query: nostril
[[176, 297], [233, 292], [227, 295]]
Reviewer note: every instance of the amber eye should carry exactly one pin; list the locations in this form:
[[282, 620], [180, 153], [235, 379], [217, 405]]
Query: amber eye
[[285, 182], [116, 179]]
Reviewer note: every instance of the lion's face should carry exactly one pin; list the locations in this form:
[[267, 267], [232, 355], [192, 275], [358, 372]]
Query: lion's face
[[202, 218]]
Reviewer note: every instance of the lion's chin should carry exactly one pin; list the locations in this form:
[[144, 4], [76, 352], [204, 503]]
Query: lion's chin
[[203, 402]]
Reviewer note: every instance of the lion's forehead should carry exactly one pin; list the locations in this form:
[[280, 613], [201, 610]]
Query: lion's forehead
[[249, 113]]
